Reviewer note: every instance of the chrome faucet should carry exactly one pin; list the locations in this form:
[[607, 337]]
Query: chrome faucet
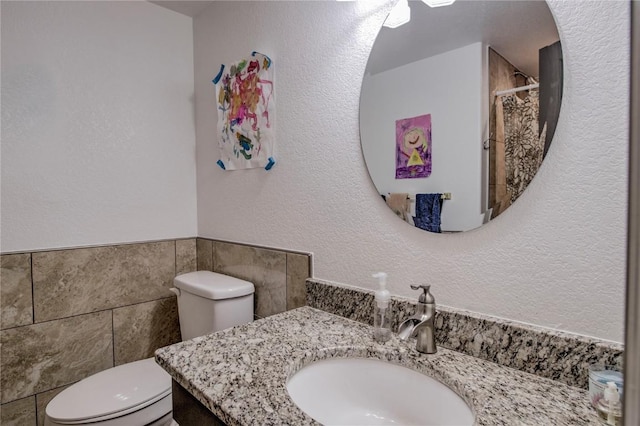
[[422, 324]]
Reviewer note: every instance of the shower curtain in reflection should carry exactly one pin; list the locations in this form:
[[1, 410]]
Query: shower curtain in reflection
[[523, 148]]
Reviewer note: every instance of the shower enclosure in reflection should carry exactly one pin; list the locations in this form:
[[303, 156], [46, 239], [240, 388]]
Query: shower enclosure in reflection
[[522, 120]]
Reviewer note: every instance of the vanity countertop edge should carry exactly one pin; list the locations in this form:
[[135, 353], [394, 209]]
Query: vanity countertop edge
[[240, 374]]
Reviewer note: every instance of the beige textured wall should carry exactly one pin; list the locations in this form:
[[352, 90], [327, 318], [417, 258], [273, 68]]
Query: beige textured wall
[[67, 314], [105, 88], [547, 260]]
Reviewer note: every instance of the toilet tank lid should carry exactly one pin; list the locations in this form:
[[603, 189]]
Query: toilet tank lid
[[213, 285]]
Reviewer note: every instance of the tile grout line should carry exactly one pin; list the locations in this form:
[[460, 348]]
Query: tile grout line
[[33, 321], [113, 340], [214, 265], [89, 313], [33, 291]]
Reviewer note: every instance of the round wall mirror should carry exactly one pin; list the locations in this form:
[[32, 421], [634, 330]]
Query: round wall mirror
[[458, 108]]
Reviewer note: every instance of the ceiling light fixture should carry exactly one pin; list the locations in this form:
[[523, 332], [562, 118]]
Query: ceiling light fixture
[[399, 15], [438, 3]]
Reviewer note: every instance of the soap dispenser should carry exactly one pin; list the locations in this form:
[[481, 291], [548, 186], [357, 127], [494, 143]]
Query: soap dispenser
[[609, 407], [382, 312]]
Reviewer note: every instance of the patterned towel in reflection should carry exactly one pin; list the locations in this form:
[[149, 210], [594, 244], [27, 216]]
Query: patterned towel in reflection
[[399, 203]]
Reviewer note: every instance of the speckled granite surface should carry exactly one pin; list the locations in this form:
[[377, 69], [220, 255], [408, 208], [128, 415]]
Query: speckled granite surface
[[552, 354], [240, 374]]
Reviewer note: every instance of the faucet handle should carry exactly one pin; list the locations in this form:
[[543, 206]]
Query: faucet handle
[[426, 296]]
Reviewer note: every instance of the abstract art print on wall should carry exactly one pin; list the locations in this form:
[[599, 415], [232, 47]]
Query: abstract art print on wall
[[413, 147], [246, 112]]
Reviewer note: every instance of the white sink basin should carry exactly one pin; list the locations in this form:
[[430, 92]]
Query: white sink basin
[[365, 391]]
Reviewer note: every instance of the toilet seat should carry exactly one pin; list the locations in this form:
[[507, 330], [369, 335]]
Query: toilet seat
[[116, 392]]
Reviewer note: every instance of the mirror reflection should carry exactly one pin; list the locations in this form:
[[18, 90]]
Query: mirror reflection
[[458, 108]]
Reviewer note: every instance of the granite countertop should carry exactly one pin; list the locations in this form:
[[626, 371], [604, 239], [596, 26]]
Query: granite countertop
[[240, 374]]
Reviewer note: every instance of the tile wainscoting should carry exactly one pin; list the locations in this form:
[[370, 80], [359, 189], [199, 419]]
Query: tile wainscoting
[[70, 313], [548, 353], [279, 276]]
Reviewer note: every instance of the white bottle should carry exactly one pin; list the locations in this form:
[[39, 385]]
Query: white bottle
[[381, 311]]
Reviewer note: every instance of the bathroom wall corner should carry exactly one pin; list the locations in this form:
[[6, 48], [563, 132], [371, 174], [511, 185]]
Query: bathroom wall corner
[[298, 270], [204, 254], [265, 268], [16, 301], [138, 330], [186, 256], [42, 399]]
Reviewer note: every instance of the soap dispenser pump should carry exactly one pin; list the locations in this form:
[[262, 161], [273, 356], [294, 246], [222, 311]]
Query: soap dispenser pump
[[609, 407], [382, 312]]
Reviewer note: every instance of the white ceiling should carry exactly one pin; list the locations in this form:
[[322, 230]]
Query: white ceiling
[[515, 29], [186, 7]]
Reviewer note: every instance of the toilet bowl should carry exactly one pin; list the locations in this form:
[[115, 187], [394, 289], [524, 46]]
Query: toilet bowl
[[135, 393], [139, 393]]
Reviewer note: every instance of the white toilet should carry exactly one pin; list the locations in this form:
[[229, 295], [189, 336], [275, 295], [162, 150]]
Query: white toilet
[[139, 393]]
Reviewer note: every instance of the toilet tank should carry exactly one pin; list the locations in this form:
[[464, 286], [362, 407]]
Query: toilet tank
[[209, 301]]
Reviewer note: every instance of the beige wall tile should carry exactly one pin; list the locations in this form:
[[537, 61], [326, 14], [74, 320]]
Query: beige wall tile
[[204, 254], [16, 304], [298, 271], [139, 330], [42, 399], [19, 413], [186, 256], [266, 269], [40, 357], [78, 281]]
